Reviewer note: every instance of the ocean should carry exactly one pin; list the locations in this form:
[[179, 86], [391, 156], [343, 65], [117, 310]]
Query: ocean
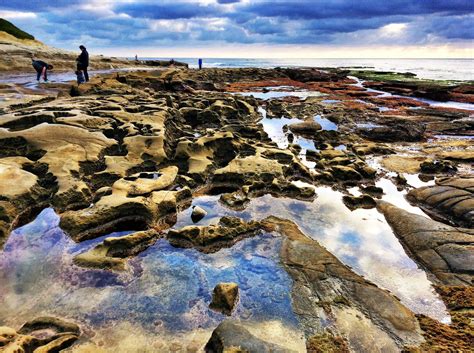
[[436, 69]]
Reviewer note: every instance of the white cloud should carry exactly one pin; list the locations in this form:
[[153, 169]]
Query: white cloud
[[12, 15]]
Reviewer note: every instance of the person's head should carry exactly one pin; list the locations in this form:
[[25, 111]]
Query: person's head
[[50, 67], [82, 47]]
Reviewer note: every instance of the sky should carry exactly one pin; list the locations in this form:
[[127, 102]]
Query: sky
[[252, 28]]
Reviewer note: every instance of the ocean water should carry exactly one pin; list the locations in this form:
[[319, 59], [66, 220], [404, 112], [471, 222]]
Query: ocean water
[[436, 69]]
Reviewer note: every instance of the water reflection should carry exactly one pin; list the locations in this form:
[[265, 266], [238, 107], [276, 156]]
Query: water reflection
[[361, 239], [168, 286]]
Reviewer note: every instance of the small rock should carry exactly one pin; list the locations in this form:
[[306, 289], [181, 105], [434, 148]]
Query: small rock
[[198, 214], [225, 297], [353, 202]]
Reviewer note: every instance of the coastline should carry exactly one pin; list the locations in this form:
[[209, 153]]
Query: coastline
[[321, 198]]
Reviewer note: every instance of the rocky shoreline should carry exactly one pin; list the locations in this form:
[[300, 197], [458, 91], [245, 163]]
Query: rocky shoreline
[[122, 158]]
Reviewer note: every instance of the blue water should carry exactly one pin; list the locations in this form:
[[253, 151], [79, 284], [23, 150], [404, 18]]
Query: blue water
[[437, 69], [167, 286]]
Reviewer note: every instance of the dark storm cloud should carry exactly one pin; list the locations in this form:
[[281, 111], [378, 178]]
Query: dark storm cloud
[[168, 10], [300, 9], [257, 21]]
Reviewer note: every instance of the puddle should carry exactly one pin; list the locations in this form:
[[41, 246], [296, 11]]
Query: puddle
[[367, 125], [169, 287], [326, 124], [432, 103], [330, 101], [272, 94]]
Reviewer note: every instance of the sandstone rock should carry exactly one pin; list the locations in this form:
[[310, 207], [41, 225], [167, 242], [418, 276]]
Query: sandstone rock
[[447, 252], [231, 336], [394, 129], [41, 335], [436, 166], [212, 238], [345, 173], [225, 297], [308, 127], [354, 202], [113, 251], [451, 200]]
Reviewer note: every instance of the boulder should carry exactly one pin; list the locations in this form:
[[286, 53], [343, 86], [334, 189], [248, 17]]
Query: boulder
[[225, 297], [231, 336], [308, 127]]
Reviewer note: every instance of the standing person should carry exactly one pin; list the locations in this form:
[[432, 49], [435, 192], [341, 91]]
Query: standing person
[[83, 62], [41, 69], [200, 63]]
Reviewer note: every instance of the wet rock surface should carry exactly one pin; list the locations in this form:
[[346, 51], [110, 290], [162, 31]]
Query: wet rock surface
[[43, 334], [451, 200], [129, 153], [346, 297], [447, 252]]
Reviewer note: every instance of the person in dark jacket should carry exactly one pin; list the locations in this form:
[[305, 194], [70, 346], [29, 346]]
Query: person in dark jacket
[[83, 62], [41, 69]]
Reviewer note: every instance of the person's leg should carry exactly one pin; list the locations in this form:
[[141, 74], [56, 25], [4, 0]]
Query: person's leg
[[38, 74], [45, 75], [86, 74]]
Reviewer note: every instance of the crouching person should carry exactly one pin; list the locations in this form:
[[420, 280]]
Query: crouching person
[[41, 69]]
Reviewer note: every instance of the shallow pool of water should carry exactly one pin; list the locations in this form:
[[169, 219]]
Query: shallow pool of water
[[326, 124], [166, 287], [272, 94], [361, 239]]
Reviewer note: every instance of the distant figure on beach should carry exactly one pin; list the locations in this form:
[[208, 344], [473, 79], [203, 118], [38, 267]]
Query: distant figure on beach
[[41, 69], [171, 62], [200, 63], [83, 62], [136, 57]]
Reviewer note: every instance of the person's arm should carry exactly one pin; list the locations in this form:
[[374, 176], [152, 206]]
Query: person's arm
[[45, 77]]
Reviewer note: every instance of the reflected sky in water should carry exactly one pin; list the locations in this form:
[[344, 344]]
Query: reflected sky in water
[[361, 239], [166, 287]]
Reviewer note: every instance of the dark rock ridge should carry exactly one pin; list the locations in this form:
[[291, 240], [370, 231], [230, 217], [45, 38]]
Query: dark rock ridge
[[445, 251], [451, 200]]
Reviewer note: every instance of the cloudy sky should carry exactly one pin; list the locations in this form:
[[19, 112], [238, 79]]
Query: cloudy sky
[[252, 28]]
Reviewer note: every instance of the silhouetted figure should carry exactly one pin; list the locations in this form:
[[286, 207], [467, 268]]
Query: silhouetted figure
[[83, 62], [200, 64], [136, 57], [41, 69]]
